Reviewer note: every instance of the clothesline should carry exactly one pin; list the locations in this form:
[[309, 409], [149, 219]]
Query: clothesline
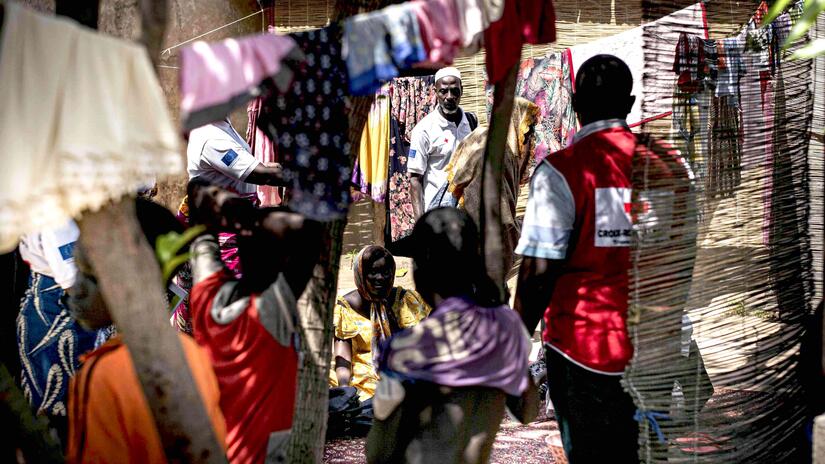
[[169, 50]]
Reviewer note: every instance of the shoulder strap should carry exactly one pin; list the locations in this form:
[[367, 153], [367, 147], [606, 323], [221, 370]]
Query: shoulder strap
[[472, 119]]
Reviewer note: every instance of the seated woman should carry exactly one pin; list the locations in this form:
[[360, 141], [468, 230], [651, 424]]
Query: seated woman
[[369, 315]]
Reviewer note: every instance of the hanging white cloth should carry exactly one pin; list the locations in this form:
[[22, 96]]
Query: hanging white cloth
[[84, 122]]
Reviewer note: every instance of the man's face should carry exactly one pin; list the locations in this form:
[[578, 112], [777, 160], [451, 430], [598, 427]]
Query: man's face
[[448, 93]]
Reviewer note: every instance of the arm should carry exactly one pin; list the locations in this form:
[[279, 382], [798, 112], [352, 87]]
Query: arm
[[342, 352], [417, 194], [232, 160], [267, 174], [536, 281], [417, 166], [302, 239], [548, 223]]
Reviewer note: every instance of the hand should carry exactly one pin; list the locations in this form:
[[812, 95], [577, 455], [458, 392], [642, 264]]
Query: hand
[[219, 209]]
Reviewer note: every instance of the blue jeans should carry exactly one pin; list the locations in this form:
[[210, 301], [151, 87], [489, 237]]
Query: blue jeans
[[594, 413]]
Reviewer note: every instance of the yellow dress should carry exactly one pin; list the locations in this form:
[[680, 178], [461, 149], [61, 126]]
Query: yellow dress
[[409, 309]]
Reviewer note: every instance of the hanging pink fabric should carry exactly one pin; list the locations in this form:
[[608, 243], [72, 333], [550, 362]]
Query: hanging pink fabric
[[438, 23], [217, 77], [523, 21], [264, 151]]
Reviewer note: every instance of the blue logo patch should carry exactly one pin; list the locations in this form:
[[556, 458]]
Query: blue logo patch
[[229, 157], [412, 153], [67, 251]]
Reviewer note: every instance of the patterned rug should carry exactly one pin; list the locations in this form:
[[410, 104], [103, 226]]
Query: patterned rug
[[523, 444]]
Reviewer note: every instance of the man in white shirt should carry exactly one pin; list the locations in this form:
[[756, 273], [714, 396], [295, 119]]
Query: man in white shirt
[[434, 139], [218, 154]]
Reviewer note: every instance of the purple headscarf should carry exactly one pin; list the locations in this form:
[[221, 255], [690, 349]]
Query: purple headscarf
[[462, 345]]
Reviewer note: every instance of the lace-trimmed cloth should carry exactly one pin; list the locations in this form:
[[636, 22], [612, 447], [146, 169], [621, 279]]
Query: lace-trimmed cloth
[[85, 122]]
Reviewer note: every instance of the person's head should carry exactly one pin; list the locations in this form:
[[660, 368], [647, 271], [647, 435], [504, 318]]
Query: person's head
[[84, 298], [603, 89], [447, 258], [448, 90], [374, 271]]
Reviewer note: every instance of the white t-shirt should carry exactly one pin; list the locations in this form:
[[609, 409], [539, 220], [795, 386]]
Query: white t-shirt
[[217, 153], [432, 144], [51, 252]]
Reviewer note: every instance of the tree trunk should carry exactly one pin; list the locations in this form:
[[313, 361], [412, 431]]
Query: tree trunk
[[130, 281], [492, 235], [129, 278], [315, 308], [309, 423]]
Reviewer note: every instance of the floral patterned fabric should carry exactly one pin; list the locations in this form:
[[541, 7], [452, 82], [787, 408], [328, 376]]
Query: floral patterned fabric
[[310, 126], [412, 99], [547, 83]]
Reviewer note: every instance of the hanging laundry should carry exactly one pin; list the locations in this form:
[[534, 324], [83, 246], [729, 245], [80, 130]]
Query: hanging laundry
[[412, 99], [472, 21], [370, 173], [218, 77], [547, 82], [731, 68], [310, 126], [377, 44], [438, 22], [524, 21], [725, 155], [86, 122], [651, 101]]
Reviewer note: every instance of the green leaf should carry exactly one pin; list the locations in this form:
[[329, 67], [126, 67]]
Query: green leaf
[[809, 14], [168, 246], [809, 51], [776, 9], [170, 266]]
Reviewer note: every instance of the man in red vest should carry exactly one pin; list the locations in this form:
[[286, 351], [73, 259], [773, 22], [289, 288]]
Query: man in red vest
[[575, 245]]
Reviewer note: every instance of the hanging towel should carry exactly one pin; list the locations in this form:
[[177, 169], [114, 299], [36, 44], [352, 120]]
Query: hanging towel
[[376, 45], [472, 21], [310, 127], [85, 122], [218, 77], [524, 21], [370, 174], [438, 22]]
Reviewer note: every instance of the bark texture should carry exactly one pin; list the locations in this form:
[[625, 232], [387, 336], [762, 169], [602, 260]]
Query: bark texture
[[130, 281], [315, 308], [492, 234], [129, 278]]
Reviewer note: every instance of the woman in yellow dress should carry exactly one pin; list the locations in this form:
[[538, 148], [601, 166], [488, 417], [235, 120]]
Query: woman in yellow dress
[[367, 316]]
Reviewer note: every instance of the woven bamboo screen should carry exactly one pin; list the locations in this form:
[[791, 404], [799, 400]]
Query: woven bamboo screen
[[720, 310]]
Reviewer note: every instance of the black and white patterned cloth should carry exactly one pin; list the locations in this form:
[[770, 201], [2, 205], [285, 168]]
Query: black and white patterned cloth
[[309, 123]]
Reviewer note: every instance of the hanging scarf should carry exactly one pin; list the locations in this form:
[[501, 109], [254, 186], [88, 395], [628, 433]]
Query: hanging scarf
[[462, 344]]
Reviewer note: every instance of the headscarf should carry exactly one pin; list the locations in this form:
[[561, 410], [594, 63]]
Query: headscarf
[[464, 171], [381, 314]]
